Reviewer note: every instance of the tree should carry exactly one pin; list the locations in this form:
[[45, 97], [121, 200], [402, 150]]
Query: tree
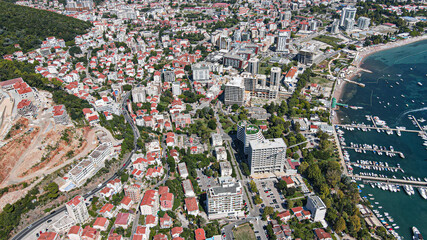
[[234, 107], [212, 124], [267, 212], [252, 184], [257, 199], [52, 190], [340, 225], [127, 87], [124, 178]]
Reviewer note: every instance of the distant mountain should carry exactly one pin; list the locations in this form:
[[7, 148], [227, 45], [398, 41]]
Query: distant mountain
[[28, 27]]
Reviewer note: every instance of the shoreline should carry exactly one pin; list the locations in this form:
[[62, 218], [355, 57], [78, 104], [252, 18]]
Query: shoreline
[[361, 55]]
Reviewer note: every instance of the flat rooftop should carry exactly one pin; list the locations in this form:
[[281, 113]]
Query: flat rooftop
[[267, 143]]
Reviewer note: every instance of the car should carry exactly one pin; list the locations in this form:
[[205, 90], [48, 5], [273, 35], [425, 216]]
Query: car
[[258, 238], [256, 232], [50, 220], [37, 234]]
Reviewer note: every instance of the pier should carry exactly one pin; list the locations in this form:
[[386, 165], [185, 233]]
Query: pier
[[417, 123], [361, 165], [375, 150], [354, 82], [379, 128], [391, 180]]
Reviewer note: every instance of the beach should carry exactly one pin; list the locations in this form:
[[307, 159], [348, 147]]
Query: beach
[[361, 55]]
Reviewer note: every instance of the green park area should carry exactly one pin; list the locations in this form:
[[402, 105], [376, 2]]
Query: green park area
[[244, 232]]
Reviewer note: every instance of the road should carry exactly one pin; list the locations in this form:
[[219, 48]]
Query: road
[[23, 233]]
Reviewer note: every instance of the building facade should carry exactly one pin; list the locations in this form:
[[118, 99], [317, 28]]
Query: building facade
[[225, 201], [77, 209], [267, 156]]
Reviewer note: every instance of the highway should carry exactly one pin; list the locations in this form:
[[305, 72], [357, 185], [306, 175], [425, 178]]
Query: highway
[[23, 233]]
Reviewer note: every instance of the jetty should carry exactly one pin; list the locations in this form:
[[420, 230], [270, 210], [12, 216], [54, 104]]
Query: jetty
[[417, 123], [354, 82], [375, 150], [391, 180], [379, 128]]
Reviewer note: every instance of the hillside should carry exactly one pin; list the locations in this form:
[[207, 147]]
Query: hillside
[[29, 27]]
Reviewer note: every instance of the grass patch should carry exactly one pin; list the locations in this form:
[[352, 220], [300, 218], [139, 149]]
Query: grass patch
[[333, 41], [244, 232]]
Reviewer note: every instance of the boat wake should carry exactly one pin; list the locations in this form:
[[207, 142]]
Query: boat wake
[[411, 111]]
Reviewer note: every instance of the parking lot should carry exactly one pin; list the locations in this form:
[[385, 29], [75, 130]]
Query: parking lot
[[204, 181], [269, 194]]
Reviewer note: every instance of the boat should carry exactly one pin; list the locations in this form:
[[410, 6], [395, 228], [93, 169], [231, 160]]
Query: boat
[[420, 84], [423, 192], [417, 234]]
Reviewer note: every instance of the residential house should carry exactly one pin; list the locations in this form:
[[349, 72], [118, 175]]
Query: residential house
[[192, 206], [75, 233], [149, 204], [123, 220], [199, 234], [101, 224], [48, 236], [166, 221]]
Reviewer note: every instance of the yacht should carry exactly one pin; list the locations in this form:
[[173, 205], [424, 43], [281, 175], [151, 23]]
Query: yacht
[[423, 192], [417, 234], [420, 84]]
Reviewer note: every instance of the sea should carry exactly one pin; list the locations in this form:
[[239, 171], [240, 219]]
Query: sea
[[392, 93]]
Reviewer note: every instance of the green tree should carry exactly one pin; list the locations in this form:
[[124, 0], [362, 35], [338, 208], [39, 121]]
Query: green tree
[[340, 225]]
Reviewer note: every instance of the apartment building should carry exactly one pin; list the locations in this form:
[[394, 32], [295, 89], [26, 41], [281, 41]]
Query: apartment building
[[77, 209], [267, 155], [225, 200]]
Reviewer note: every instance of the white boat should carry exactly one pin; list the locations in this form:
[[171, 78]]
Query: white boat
[[423, 192], [420, 84], [417, 234]]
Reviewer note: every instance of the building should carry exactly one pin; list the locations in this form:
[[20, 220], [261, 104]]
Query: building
[[253, 66], [79, 5], [275, 76], [138, 94], [192, 206], [200, 72], [234, 91], [220, 153], [48, 236], [316, 207], [60, 114], [335, 26], [216, 139], [77, 209], [169, 76], [233, 60], [320, 234], [199, 234], [225, 201], [363, 23], [149, 203], [348, 25], [176, 88], [188, 188], [247, 132], [267, 155], [349, 13], [306, 55], [134, 192], [182, 169], [226, 169], [286, 15], [283, 41]]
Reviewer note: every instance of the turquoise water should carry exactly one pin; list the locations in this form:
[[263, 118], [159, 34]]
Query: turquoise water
[[391, 93]]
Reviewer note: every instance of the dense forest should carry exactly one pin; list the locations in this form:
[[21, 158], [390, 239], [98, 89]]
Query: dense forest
[[15, 69], [28, 27]]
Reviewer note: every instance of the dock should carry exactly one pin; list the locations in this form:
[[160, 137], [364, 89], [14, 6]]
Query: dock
[[418, 124], [354, 82], [373, 165], [391, 180], [380, 128], [375, 150]]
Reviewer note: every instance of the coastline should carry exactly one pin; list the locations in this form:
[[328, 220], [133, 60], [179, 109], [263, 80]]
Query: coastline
[[361, 55]]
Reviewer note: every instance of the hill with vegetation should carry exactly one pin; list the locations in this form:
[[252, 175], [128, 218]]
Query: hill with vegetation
[[28, 27], [15, 69]]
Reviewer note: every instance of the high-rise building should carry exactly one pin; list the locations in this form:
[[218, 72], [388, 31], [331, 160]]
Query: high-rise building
[[247, 132], [169, 76], [238, 35], [283, 41], [335, 26], [348, 12], [253, 66], [77, 209], [313, 25], [316, 207], [363, 23], [275, 76], [200, 72], [225, 200], [176, 89], [234, 91], [348, 24], [286, 15], [138, 94], [236, 61], [267, 156]]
